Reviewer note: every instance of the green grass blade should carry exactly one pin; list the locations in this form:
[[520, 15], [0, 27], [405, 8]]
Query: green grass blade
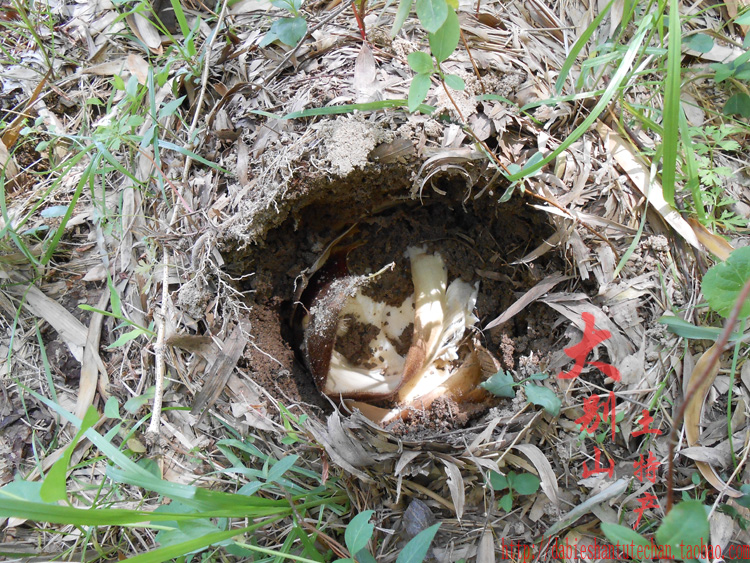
[[692, 180], [612, 88], [45, 363], [181, 549], [671, 137], [69, 213], [58, 514], [184, 152], [578, 46]]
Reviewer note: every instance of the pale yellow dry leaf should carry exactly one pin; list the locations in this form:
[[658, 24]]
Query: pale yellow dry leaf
[[89, 380], [715, 244], [639, 174], [544, 469], [139, 68], [486, 548], [701, 380], [145, 31]]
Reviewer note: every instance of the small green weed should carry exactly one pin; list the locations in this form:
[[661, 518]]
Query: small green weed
[[520, 484], [360, 530], [502, 383], [287, 30]]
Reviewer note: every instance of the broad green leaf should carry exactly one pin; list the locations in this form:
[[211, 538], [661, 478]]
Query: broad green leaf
[[723, 282], [506, 502], [170, 107], [743, 19], [359, 531], [281, 467], [688, 330], [624, 536], [543, 397], [500, 384], [700, 42], [365, 556], [445, 40], [126, 337], [525, 484], [112, 408], [134, 403], [420, 86], [54, 211], [287, 30], [420, 62], [498, 481], [432, 14], [454, 81], [404, 7], [744, 500], [53, 487], [26, 491], [738, 104], [416, 550], [686, 526]]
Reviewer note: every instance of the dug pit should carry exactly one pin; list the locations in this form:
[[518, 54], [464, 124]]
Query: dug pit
[[374, 224]]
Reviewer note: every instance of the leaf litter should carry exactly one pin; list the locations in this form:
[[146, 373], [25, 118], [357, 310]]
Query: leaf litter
[[293, 187]]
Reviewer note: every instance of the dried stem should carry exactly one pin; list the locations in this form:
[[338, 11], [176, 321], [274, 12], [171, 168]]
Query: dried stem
[[677, 422], [155, 424]]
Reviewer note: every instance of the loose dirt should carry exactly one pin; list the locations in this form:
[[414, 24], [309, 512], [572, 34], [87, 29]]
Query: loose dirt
[[478, 242]]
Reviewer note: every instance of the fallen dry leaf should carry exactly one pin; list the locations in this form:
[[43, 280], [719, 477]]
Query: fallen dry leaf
[[701, 379]]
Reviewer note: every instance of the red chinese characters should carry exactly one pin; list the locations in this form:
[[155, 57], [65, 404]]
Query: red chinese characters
[[598, 466], [590, 419], [591, 339], [645, 424], [648, 502], [649, 466]]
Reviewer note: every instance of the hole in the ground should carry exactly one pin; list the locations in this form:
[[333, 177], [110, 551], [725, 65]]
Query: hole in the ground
[[477, 241]]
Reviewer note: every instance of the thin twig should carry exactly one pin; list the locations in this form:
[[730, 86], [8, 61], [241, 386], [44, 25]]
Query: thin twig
[[155, 424], [473, 63], [720, 345]]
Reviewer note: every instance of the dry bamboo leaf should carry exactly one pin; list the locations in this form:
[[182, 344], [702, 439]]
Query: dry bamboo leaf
[[343, 449], [486, 548], [89, 366], [527, 298], [217, 377], [8, 164], [110, 68], [145, 31], [711, 456], [365, 76], [456, 486], [722, 529], [701, 379], [716, 245], [640, 176], [138, 66], [572, 306], [544, 469], [614, 490], [70, 329], [546, 246], [10, 134]]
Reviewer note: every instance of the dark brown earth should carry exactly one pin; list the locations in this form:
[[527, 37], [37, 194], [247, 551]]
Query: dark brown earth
[[477, 241]]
